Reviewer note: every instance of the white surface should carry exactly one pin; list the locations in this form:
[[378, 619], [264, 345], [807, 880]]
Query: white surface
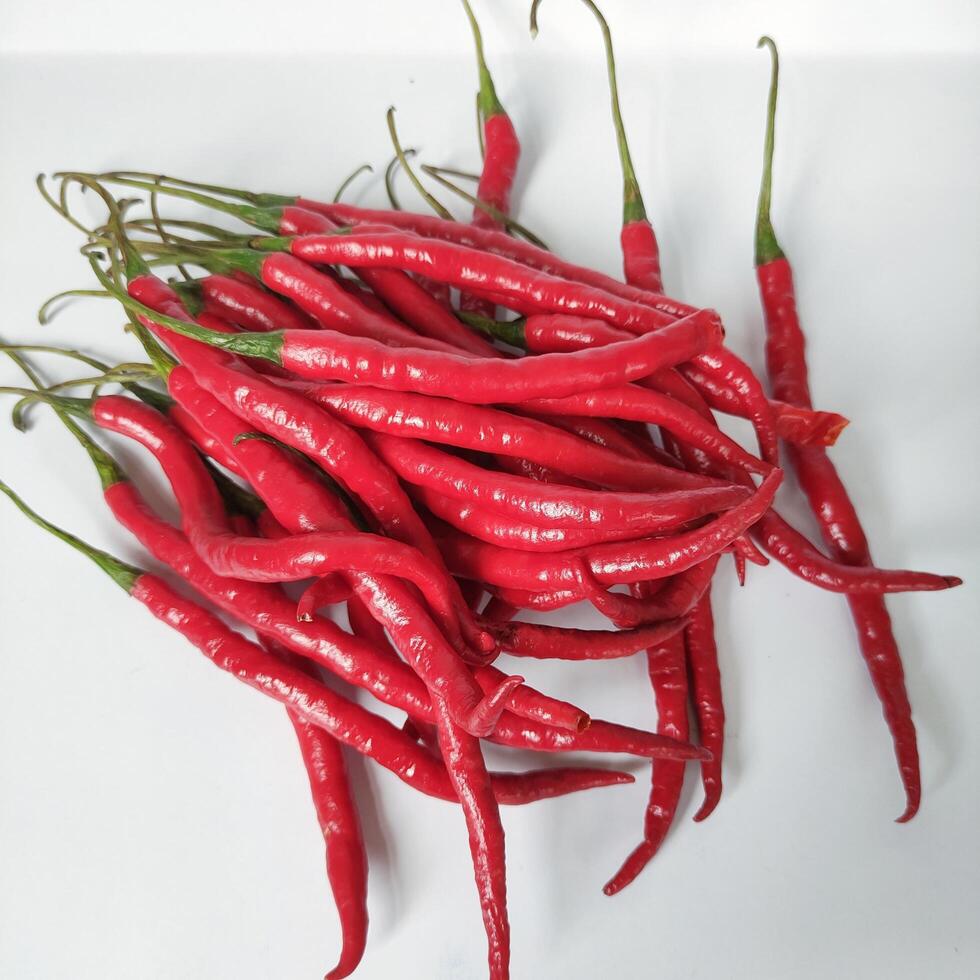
[[154, 819]]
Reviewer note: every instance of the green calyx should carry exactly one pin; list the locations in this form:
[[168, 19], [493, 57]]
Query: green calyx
[[267, 346], [509, 331], [766, 245], [125, 576], [633, 209], [489, 104]]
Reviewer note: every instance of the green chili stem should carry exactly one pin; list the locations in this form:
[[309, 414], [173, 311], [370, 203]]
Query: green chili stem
[[403, 160], [125, 576], [633, 209], [766, 245], [489, 104], [348, 180]]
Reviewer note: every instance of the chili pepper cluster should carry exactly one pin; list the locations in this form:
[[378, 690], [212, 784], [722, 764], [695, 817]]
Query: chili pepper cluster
[[440, 425]]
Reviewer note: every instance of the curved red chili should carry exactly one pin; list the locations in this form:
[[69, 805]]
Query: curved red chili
[[556, 643]]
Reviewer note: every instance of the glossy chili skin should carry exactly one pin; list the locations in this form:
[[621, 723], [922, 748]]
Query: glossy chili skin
[[399, 292], [550, 333], [294, 558], [544, 504], [839, 524], [557, 643], [614, 563], [249, 306], [486, 429], [468, 773], [507, 532], [503, 280], [291, 418], [502, 153], [336, 811], [312, 701], [706, 694], [641, 255], [633, 403], [668, 678], [496, 243]]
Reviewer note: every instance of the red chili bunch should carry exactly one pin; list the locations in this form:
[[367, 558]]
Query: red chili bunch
[[440, 425]]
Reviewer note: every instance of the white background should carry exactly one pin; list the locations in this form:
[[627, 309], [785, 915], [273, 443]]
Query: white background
[[154, 818]]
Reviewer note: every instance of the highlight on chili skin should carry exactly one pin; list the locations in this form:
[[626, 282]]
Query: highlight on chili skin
[[449, 433]]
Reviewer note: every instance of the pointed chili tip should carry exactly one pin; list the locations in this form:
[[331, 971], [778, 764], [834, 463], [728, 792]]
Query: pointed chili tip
[[952, 581], [711, 800], [637, 860], [911, 809], [702, 754]]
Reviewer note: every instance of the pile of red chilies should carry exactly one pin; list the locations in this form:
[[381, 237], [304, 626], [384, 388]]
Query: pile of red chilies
[[351, 404]]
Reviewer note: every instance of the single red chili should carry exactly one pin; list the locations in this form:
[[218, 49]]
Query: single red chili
[[555, 643], [502, 148], [709, 705], [243, 303], [669, 681], [468, 774], [825, 492], [485, 524], [336, 812], [485, 429], [545, 504]]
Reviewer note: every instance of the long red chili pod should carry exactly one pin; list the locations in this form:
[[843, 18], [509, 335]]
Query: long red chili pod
[[545, 504], [502, 149], [706, 692], [828, 499], [468, 774], [244, 304], [486, 429], [669, 682], [641, 256], [616, 563], [336, 812], [556, 643], [507, 532]]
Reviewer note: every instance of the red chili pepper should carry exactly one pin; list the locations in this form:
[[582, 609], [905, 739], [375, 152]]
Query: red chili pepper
[[490, 430], [705, 680], [641, 256], [243, 303], [468, 774], [502, 149], [559, 333], [555, 643], [620, 562], [325, 355], [484, 524], [669, 681], [828, 499], [336, 812], [544, 504], [291, 418]]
